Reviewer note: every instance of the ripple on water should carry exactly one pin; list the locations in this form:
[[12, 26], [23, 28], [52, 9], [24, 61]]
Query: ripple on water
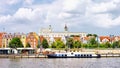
[[60, 63]]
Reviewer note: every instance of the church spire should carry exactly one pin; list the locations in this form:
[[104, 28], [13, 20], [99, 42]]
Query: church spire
[[50, 28], [66, 28]]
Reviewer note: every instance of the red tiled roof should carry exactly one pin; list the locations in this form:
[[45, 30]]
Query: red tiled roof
[[86, 38], [104, 37], [76, 38]]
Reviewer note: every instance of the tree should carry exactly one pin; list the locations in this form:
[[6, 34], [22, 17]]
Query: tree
[[95, 35], [77, 44], [92, 43], [60, 44], [69, 43], [28, 45], [107, 45], [115, 44], [89, 35], [15, 43], [45, 43], [54, 45], [84, 45]]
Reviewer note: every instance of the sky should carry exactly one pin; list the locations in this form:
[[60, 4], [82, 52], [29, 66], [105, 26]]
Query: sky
[[100, 17]]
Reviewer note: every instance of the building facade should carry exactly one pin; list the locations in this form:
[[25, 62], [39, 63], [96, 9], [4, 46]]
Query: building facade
[[6, 38], [50, 35], [1, 38], [23, 39], [32, 39]]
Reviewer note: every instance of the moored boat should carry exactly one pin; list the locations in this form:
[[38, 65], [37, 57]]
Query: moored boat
[[74, 55]]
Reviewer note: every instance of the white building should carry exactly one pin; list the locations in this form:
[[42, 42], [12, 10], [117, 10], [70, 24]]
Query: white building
[[48, 33]]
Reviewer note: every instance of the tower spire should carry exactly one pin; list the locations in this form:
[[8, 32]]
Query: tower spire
[[66, 28], [50, 28]]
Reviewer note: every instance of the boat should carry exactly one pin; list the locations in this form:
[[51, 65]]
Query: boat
[[74, 55]]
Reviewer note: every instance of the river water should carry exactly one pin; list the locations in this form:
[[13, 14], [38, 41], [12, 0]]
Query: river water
[[60, 63]]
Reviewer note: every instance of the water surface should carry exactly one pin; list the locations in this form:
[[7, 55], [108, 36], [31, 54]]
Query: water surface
[[60, 63]]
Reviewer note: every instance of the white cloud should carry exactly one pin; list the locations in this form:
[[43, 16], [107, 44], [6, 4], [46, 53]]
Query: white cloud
[[9, 2], [70, 4], [72, 12], [28, 2], [102, 7], [4, 19]]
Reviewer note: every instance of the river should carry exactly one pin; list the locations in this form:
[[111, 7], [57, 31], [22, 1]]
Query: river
[[60, 63]]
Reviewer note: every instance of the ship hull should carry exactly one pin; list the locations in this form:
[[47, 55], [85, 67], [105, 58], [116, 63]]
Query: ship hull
[[74, 56]]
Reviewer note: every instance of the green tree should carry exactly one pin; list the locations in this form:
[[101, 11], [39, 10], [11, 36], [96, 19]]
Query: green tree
[[60, 44], [102, 45], [28, 45], [69, 43], [84, 45], [119, 44], [54, 45], [116, 44], [92, 43], [89, 35], [45, 43], [77, 44], [107, 45], [15, 43], [95, 35]]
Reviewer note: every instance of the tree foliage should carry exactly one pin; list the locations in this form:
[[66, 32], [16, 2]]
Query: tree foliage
[[77, 44], [69, 43], [28, 45], [15, 43], [116, 44], [92, 43], [45, 43], [54, 45], [89, 35], [58, 44], [107, 45], [94, 35]]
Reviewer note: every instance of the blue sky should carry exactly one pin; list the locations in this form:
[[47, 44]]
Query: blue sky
[[92, 16]]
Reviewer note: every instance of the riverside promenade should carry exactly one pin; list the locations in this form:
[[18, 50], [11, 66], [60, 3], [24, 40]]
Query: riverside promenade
[[102, 52]]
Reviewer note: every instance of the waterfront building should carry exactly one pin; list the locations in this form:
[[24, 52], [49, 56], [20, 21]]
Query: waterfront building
[[1, 37], [50, 35], [23, 39], [17, 34], [32, 39], [117, 38], [104, 39], [6, 38]]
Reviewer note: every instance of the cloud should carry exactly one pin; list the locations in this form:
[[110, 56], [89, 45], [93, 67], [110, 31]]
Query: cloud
[[28, 2], [74, 13]]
